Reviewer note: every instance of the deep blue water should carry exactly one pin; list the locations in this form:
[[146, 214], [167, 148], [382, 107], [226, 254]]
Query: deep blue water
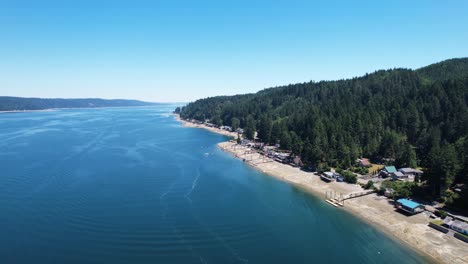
[[131, 185]]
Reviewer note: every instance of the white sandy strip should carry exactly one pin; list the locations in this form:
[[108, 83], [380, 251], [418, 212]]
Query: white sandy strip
[[212, 129]]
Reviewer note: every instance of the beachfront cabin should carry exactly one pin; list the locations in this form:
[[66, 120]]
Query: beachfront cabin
[[411, 173], [363, 162], [328, 176], [282, 157], [398, 176], [459, 226], [409, 206], [448, 220], [387, 171], [227, 128]]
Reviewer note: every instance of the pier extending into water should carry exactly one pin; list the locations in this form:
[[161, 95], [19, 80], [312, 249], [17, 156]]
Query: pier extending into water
[[337, 199]]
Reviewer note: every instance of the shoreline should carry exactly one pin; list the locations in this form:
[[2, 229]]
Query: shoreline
[[212, 129], [411, 231]]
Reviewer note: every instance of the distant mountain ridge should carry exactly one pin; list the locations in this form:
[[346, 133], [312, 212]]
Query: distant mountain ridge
[[9, 103]]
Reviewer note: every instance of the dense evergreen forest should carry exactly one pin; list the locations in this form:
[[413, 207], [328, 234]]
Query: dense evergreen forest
[[8, 103], [403, 117]]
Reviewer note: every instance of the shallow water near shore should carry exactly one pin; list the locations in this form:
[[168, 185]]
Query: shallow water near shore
[[131, 185]]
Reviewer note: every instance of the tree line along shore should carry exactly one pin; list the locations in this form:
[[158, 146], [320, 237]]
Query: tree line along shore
[[362, 130], [401, 117], [413, 230]]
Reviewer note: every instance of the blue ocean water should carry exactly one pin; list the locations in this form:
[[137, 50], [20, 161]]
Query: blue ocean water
[[130, 185]]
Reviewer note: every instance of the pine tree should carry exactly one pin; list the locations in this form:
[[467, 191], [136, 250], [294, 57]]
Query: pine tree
[[275, 133], [235, 123], [250, 129], [264, 129], [285, 141]]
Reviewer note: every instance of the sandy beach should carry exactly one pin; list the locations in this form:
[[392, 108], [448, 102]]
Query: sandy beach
[[413, 230], [212, 129]]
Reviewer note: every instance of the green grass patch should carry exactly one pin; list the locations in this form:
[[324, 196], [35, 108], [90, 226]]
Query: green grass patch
[[437, 222]]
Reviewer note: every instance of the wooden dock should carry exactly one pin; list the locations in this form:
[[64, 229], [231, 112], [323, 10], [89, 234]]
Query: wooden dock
[[334, 198], [338, 199], [358, 194]]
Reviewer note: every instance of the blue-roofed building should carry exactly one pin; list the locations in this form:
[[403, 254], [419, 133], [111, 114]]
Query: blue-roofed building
[[390, 169], [409, 206], [387, 171]]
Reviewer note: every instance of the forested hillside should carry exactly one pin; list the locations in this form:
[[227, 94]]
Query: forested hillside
[[400, 116], [8, 103], [446, 70]]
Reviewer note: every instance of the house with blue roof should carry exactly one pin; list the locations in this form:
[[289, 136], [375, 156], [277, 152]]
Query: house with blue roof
[[387, 171], [390, 169], [409, 206]]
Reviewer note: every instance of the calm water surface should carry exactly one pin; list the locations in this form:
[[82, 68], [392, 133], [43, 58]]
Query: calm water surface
[[133, 186]]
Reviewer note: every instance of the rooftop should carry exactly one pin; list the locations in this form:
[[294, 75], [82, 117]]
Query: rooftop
[[365, 162], [408, 203], [390, 169], [409, 170], [459, 224]]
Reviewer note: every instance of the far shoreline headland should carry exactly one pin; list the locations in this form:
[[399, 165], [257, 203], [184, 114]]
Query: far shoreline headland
[[413, 231], [10, 104], [70, 108]]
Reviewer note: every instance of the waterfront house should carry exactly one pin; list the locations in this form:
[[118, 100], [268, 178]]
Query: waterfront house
[[282, 157], [411, 173], [409, 206], [387, 171], [227, 128], [459, 226], [398, 176], [403, 177], [364, 162], [448, 220]]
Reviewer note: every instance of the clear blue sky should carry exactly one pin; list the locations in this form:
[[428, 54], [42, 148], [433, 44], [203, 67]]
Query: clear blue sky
[[184, 50]]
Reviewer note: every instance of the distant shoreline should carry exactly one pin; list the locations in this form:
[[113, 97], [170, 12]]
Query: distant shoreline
[[68, 108], [412, 231], [26, 111]]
